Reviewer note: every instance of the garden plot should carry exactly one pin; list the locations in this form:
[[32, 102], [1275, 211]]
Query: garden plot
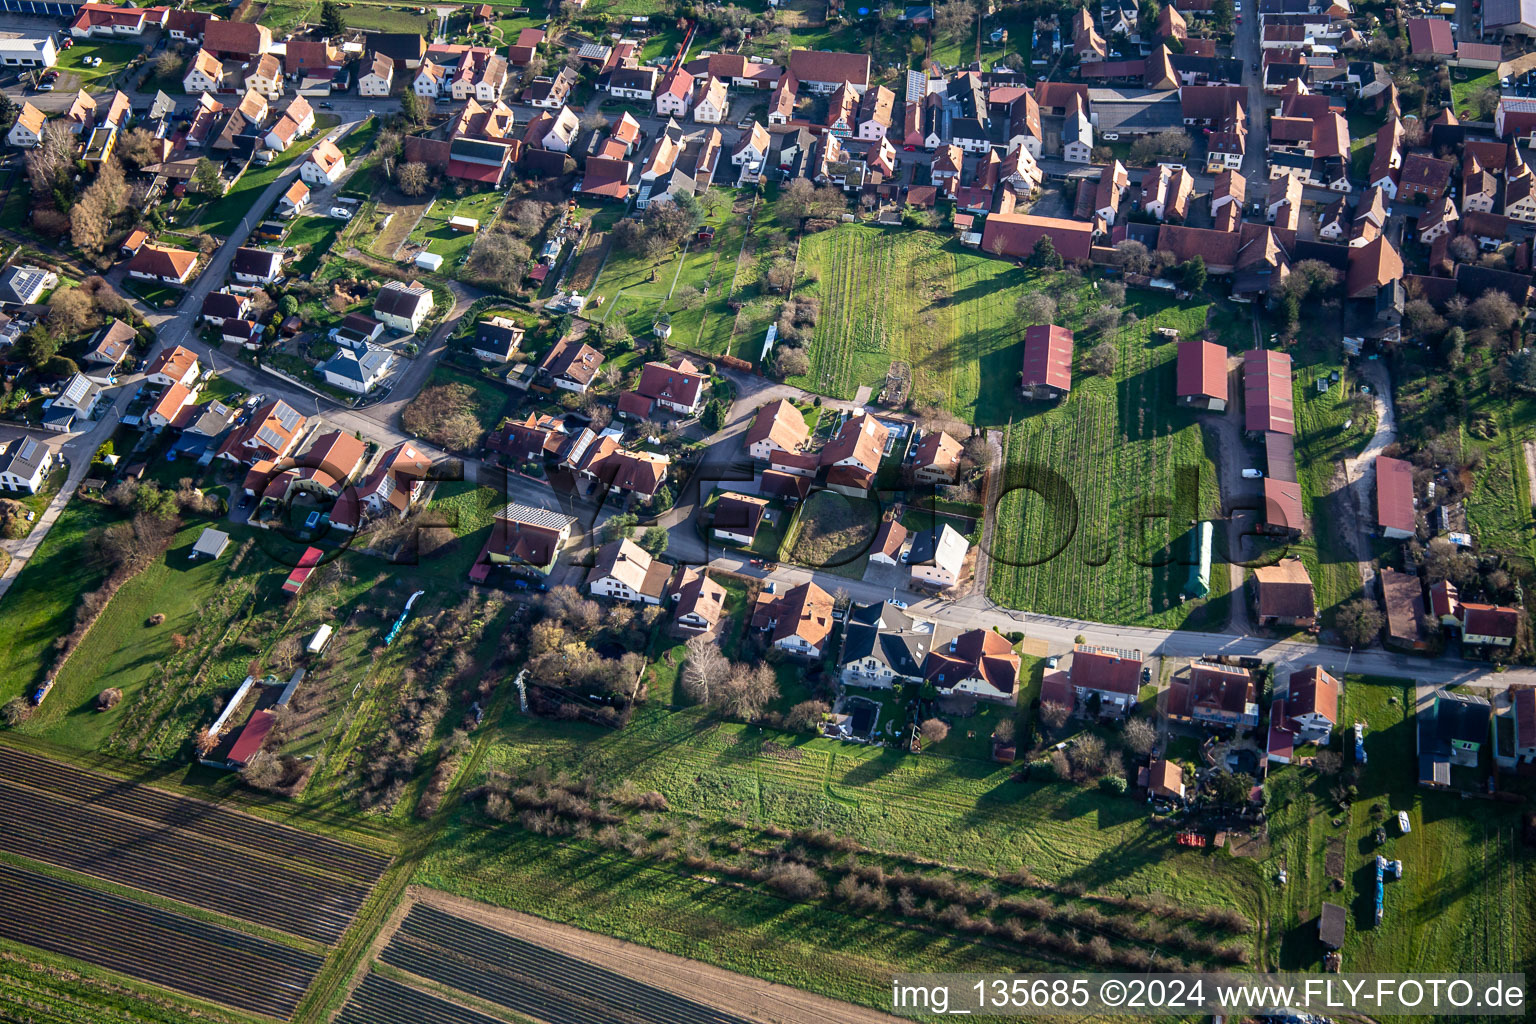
[[1099, 490]]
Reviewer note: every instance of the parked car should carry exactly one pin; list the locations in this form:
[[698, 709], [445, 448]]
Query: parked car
[[45, 87], [1253, 474], [341, 213], [899, 604]]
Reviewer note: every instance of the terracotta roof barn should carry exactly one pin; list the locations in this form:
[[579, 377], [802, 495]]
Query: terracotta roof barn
[[1047, 369], [1268, 403], [1394, 498], [1202, 375]]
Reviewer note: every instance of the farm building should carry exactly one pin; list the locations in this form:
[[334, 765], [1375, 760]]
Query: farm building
[[210, 544], [1403, 596], [1451, 731], [1283, 593], [1202, 375], [1047, 369], [1394, 498]]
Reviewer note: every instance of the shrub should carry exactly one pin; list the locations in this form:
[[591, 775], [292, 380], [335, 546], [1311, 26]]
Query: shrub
[[157, 618], [108, 699], [797, 881]]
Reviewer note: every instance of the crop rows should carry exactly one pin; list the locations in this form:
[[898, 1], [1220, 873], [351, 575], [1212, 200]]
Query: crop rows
[[156, 946], [530, 979], [177, 865], [167, 809], [381, 1001]]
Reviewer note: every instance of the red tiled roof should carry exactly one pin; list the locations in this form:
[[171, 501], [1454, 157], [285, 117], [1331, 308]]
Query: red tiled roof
[[1048, 356], [1105, 670], [1312, 691], [1015, 234], [1394, 494], [1202, 370], [1267, 392], [252, 737]]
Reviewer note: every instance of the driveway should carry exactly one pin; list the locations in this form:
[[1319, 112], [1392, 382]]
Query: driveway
[[1360, 472]]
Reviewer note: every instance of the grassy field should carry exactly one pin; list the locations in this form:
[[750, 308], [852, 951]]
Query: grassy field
[[1465, 87], [490, 399], [114, 58], [40, 605], [832, 533], [1465, 900], [1099, 490], [314, 235], [723, 780], [890, 295]]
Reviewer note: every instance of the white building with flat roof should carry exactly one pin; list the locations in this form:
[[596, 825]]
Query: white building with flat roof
[[32, 51]]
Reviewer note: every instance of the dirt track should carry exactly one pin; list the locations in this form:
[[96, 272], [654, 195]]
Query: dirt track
[[760, 1000]]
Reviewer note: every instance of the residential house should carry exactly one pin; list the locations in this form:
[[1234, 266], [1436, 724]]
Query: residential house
[[76, 400], [323, 165], [936, 459], [1165, 779], [854, 455], [271, 433], [752, 149], [1451, 732], [1445, 604], [1305, 712], [496, 339], [975, 663], [1104, 680], [738, 518], [1489, 625], [174, 365], [710, 101], [1439, 218], [357, 371], [111, 345], [1284, 596], [528, 538], [293, 201], [337, 455], [253, 266], [884, 646], [265, 76], [204, 74], [1219, 696], [625, 571], [674, 94], [27, 132], [937, 558], [403, 307], [24, 464], [698, 602], [167, 408], [1423, 175], [379, 78], [876, 109], [798, 621], [633, 83], [572, 365], [677, 386], [168, 266], [23, 284], [779, 427]]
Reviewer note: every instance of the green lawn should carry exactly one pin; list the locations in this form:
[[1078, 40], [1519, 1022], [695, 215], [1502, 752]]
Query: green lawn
[[1099, 489], [314, 235], [40, 605], [1463, 90], [114, 58], [158, 673]]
